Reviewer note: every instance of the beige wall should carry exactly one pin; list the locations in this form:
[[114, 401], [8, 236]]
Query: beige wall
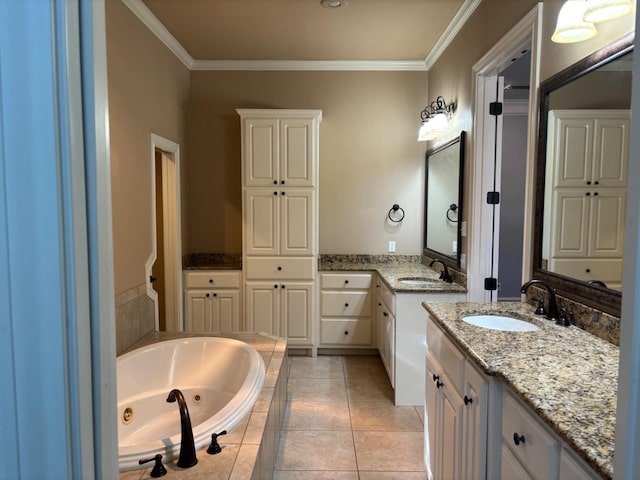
[[148, 93], [369, 156]]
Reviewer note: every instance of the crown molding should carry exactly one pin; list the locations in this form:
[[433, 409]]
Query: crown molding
[[454, 27], [310, 65], [147, 17]]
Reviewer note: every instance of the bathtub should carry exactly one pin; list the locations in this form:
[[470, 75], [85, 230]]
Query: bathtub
[[220, 378]]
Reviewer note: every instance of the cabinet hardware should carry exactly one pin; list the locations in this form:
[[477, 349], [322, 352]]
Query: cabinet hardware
[[275, 182], [346, 281], [211, 280], [467, 400], [588, 270], [282, 286], [282, 182], [518, 439], [595, 194], [379, 304], [207, 295], [281, 193], [215, 294], [279, 268], [589, 182], [588, 194], [346, 305], [596, 182], [439, 384], [346, 332], [385, 314], [275, 193], [275, 286], [436, 377]]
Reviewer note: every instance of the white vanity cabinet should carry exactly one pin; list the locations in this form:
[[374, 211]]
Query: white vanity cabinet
[[455, 411], [280, 222], [386, 327], [212, 301], [345, 310]]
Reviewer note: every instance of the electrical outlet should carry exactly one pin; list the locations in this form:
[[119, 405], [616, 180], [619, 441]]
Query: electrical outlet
[[463, 229], [392, 246], [463, 261]]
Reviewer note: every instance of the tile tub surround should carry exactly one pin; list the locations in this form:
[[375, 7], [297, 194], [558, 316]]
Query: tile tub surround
[[135, 316], [391, 268], [566, 375], [249, 450]]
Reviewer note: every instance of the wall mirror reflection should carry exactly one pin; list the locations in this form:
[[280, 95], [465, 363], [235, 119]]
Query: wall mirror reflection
[[443, 200], [582, 177]]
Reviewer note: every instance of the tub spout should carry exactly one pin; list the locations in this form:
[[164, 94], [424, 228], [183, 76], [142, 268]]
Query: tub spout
[[187, 445]]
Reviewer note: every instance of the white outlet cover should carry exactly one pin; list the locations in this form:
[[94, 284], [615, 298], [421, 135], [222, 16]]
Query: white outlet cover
[[392, 246]]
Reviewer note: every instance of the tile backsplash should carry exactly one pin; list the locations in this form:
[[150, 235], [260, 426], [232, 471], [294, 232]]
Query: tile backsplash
[[135, 316]]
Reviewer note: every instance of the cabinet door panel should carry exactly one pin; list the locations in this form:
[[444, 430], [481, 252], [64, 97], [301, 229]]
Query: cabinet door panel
[[432, 420], [262, 307], [260, 151], [611, 151], [297, 223], [510, 467], [262, 221], [451, 431], [297, 152], [608, 211], [297, 305], [197, 311], [571, 223], [474, 442], [573, 150], [227, 311]]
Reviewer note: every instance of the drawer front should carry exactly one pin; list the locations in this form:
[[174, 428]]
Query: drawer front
[[345, 331], [386, 295], [346, 304], [345, 281], [451, 359], [538, 450], [280, 268], [606, 270], [212, 279]]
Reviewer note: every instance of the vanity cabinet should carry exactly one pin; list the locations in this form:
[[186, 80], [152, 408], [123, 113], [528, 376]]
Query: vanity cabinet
[[345, 310], [280, 221], [212, 301], [386, 327]]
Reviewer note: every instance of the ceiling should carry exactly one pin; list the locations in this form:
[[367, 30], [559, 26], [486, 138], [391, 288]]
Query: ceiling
[[303, 30]]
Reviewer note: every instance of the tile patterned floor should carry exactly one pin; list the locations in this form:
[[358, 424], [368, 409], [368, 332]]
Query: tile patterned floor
[[340, 424]]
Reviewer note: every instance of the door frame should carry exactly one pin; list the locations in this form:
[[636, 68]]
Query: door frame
[[172, 228], [527, 32]]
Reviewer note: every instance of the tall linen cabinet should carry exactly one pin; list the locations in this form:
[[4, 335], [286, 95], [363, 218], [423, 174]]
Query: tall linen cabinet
[[280, 222]]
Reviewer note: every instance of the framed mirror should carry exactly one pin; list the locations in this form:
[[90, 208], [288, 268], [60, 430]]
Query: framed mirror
[[443, 201], [582, 177]]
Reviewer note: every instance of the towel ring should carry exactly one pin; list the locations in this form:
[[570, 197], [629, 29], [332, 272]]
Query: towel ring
[[394, 209], [452, 208]]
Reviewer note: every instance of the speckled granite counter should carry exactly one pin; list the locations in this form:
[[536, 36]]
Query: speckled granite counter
[[408, 267], [212, 261], [566, 375]]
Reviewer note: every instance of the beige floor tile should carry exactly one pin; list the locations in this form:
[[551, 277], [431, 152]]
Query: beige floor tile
[[361, 366], [392, 475], [319, 367], [384, 416], [420, 412], [301, 415], [317, 389], [331, 450], [369, 389], [306, 475], [397, 452]]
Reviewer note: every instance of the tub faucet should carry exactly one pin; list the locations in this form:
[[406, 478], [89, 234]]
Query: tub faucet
[[552, 309], [445, 275], [187, 445]]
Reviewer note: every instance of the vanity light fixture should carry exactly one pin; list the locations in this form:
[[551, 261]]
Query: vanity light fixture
[[603, 10], [435, 119], [571, 27], [333, 3]]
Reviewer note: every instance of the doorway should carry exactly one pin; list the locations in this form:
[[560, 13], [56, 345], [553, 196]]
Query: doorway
[[164, 266], [487, 199]]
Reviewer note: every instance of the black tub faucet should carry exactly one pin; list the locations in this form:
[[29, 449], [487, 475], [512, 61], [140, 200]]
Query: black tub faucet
[[445, 276], [187, 445], [552, 309]]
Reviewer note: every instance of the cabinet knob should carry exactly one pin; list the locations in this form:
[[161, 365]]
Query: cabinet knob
[[467, 400], [207, 295], [588, 270], [275, 193], [275, 286], [439, 384], [385, 314], [596, 182], [279, 269], [595, 194], [518, 439], [589, 182], [215, 294], [346, 305], [275, 182], [346, 281], [211, 280], [379, 304], [346, 332], [282, 286], [436, 377], [281, 193], [588, 194], [282, 182]]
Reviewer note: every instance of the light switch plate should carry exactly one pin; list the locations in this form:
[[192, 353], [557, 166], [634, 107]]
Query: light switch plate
[[392, 246]]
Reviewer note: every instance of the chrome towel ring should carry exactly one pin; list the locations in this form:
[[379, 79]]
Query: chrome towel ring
[[393, 210]]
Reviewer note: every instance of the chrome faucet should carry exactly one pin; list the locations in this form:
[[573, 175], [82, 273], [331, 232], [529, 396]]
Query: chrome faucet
[[445, 276], [552, 309], [187, 445]]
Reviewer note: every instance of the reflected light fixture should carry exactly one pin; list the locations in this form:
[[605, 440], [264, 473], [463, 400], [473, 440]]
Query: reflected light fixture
[[571, 27], [333, 3], [435, 119], [603, 10]]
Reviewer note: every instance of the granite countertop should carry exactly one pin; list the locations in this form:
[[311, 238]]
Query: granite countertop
[[566, 375], [391, 272]]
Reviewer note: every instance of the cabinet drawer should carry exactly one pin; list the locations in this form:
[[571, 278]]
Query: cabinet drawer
[[212, 279], [605, 270], [451, 359], [345, 332], [346, 281], [386, 295], [346, 304], [280, 268], [538, 450]]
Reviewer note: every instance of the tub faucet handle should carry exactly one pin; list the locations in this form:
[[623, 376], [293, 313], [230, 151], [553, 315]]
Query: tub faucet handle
[[158, 469], [215, 447]]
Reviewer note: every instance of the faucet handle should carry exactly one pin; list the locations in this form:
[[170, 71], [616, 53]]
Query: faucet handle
[[564, 318], [158, 469], [215, 447], [540, 310]]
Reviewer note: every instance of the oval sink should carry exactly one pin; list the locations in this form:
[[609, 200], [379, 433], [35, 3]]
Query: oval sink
[[498, 322], [417, 282]]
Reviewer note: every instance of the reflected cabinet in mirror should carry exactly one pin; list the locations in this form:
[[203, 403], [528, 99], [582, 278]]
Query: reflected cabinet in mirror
[[582, 177], [443, 201]]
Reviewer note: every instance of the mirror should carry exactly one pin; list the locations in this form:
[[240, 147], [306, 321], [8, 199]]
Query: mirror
[[582, 177], [443, 201]]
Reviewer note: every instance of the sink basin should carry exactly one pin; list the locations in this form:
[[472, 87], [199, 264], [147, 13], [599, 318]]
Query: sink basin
[[418, 282], [498, 322]]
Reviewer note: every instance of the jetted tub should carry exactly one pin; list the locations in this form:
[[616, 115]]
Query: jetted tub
[[221, 378]]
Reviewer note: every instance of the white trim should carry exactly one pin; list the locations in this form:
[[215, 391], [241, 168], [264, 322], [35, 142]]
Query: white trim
[[172, 235], [311, 65], [147, 17], [459, 19], [526, 32]]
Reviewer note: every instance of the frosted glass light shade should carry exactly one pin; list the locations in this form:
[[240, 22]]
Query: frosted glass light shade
[[433, 128], [571, 27], [603, 10]]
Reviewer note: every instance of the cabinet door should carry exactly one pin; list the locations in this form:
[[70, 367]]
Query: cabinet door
[[570, 226], [390, 348], [297, 152], [572, 151], [226, 311], [611, 151], [261, 153], [198, 312], [297, 222], [296, 311], [510, 467], [432, 419], [474, 449], [451, 437], [608, 209], [262, 307], [262, 222]]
